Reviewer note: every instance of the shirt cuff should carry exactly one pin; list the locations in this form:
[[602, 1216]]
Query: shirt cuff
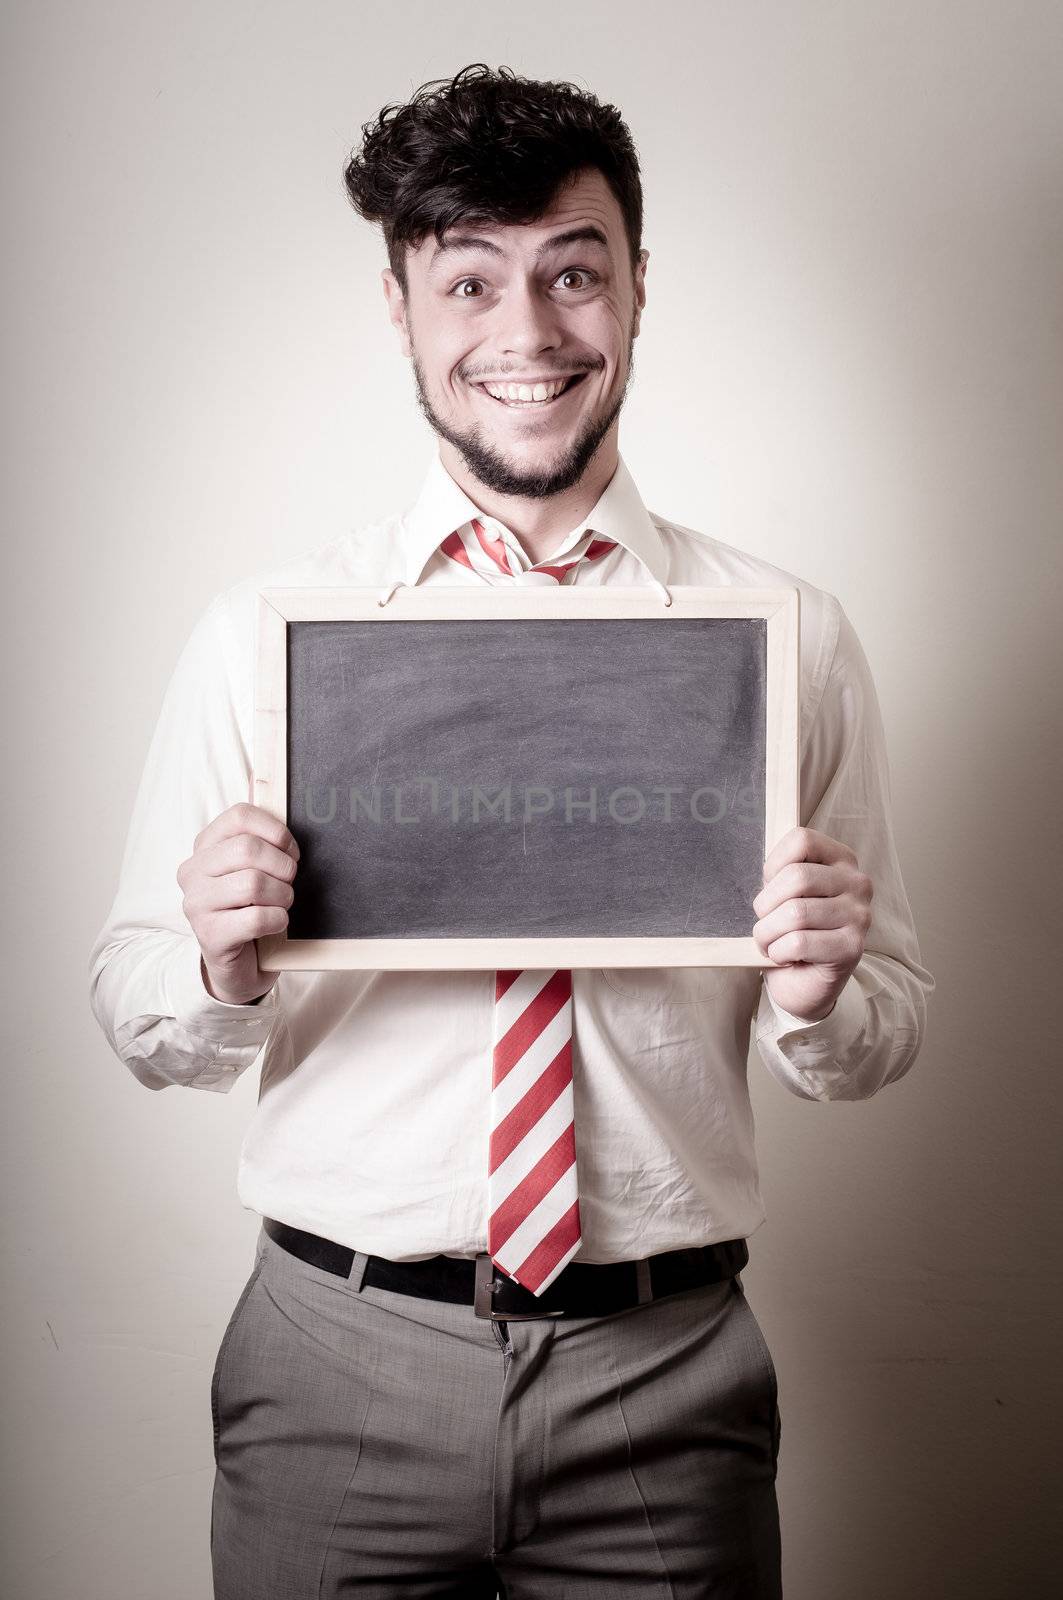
[[202, 1013], [814, 1044]]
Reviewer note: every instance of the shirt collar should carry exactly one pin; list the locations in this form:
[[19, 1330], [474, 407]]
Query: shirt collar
[[443, 506]]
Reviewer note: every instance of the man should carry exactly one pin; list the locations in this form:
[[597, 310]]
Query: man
[[376, 1425]]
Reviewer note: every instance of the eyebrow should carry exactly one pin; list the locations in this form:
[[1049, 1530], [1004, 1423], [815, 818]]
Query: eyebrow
[[466, 241]]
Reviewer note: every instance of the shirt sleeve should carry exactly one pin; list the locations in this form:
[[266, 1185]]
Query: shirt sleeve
[[878, 1023], [146, 979]]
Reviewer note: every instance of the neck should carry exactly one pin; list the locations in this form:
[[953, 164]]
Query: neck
[[540, 525]]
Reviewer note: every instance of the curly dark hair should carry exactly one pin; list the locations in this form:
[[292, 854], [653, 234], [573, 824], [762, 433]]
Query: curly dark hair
[[490, 147]]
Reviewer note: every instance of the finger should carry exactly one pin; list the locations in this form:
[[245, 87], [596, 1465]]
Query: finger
[[836, 947], [247, 818], [241, 852], [806, 844], [224, 934], [829, 911], [802, 880], [235, 889]]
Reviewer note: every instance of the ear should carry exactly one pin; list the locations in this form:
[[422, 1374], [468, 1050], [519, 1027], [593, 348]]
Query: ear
[[397, 309], [640, 290]]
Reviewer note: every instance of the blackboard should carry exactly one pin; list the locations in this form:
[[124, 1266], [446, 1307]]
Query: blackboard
[[583, 775]]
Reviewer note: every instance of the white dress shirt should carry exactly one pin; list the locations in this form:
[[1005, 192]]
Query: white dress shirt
[[372, 1120]]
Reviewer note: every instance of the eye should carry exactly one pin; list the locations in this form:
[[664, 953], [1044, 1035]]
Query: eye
[[574, 272], [463, 287]]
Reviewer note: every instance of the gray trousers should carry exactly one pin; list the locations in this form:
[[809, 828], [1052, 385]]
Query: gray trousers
[[378, 1444]]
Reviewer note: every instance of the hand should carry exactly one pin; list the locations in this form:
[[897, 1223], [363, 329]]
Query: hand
[[237, 886], [814, 911]]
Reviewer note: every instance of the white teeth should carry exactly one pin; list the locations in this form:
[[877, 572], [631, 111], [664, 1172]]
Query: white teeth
[[526, 394]]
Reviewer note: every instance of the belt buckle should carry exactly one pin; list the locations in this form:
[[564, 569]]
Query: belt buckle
[[485, 1288]]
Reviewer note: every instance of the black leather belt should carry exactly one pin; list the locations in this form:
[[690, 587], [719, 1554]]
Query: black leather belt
[[582, 1289]]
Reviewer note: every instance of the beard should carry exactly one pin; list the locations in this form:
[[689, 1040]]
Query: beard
[[492, 469]]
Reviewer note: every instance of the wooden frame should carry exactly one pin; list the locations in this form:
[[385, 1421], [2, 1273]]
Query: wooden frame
[[278, 607]]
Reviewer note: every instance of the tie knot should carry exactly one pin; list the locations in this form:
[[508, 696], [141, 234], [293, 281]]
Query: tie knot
[[488, 548]]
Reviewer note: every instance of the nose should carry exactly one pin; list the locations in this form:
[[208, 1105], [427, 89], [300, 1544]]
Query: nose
[[530, 322]]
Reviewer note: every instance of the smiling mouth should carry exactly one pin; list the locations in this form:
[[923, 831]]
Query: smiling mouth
[[530, 396]]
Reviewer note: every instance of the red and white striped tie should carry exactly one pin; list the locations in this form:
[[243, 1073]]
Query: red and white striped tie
[[533, 1227]]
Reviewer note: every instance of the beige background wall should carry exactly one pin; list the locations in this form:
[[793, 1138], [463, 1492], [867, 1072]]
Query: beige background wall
[[851, 363]]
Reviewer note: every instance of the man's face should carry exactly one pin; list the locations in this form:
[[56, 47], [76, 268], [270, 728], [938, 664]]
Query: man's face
[[521, 337]]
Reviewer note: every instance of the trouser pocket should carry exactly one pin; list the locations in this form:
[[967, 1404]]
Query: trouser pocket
[[768, 1365], [226, 1340]]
